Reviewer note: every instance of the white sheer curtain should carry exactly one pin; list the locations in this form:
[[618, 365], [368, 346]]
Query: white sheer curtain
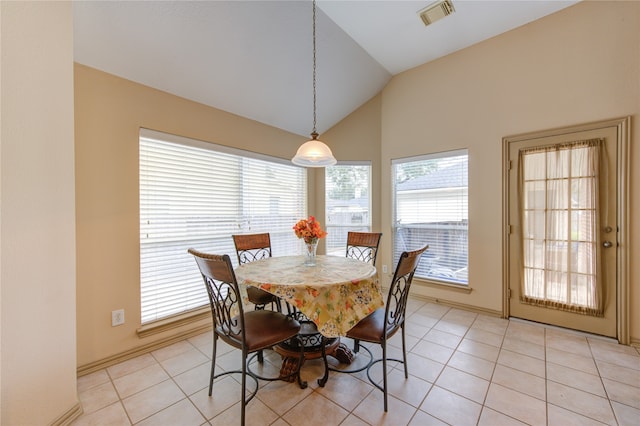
[[560, 226]]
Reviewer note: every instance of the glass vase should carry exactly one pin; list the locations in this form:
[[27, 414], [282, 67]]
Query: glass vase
[[310, 258]]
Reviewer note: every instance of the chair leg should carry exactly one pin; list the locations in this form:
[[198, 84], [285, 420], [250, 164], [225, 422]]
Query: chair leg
[[257, 307], [213, 362], [243, 389], [404, 355], [384, 373]]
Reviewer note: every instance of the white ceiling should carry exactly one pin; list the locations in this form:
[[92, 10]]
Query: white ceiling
[[254, 58]]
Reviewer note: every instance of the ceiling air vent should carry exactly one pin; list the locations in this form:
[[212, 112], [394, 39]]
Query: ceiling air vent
[[435, 11]]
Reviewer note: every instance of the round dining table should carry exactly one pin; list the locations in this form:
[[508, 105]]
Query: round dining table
[[334, 295]]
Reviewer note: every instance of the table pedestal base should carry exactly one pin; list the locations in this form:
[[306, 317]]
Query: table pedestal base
[[315, 346]]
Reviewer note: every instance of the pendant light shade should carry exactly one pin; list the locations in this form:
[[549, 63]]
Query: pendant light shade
[[314, 153]]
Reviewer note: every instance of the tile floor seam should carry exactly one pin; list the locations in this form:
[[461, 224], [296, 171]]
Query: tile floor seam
[[170, 377], [580, 414], [613, 411], [467, 398], [371, 391], [484, 407], [433, 415], [113, 385], [546, 378], [120, 401], [606, 392], [188, 397], [491, 381], [573, 387], [204, 416], [281, 416]]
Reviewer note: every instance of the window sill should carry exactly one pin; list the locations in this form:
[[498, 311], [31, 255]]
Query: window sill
[[174, 321], [443, 286]]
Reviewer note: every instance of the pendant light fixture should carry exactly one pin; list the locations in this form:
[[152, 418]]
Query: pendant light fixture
[[314, 153]]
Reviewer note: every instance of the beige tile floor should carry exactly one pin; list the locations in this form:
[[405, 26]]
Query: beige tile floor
[[464, 369]]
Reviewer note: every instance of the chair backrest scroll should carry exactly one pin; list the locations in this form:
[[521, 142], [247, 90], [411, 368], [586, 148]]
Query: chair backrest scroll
[[224, 294], [251, 247], [399, 290], [363, 246]]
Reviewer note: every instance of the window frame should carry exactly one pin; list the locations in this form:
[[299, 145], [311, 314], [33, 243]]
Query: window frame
[[463, 285], [339, 248], [300, 205]]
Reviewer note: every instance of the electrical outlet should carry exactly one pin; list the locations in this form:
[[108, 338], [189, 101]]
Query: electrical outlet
[[385, 269], [117, 317]]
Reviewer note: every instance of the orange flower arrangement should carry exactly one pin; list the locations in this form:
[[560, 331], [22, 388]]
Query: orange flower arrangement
[[309, 229]]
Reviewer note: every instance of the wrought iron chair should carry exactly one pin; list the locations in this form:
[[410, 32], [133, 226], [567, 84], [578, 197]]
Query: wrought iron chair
[[250, 331], [249, 248], [379, 326], [363, 246]]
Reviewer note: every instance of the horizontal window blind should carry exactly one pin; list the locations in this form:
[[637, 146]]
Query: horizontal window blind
[[347, 203], [196, 195], [431, 207]]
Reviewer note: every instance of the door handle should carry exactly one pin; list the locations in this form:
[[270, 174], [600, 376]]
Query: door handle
[[607, 244]]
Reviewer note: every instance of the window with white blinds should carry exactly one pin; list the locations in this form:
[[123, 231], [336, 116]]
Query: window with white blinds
[[431, 207], [347, 203], [196, 195]]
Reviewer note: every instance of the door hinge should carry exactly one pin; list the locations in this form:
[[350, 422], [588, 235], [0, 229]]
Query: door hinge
[[510, 165], [508, 293]]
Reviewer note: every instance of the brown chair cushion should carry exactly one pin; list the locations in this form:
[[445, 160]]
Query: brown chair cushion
[[370, 328], [266, 328]]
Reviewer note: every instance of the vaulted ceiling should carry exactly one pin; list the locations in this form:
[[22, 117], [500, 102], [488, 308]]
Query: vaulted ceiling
[[254, 58]]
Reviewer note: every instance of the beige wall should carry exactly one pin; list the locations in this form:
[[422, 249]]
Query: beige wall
[[108, 114], [38, 369], [576, 66]]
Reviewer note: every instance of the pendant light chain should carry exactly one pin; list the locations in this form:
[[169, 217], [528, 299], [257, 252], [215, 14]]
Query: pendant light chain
[[314, 153], [314, 131]]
